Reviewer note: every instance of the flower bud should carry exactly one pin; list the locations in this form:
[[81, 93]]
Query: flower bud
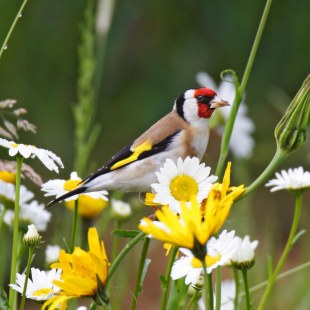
[[32, 238], [290, 133]]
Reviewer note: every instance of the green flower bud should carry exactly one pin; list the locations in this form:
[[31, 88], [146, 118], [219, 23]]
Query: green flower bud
[[290, 133], [32, 239]]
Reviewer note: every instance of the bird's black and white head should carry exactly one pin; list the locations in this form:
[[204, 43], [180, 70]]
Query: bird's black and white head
[[196, 104]]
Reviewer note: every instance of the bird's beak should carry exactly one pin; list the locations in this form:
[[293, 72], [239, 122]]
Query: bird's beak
[[218, 103]]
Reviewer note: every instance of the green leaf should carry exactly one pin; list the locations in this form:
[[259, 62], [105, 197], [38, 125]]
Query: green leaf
[[144, 271], [125, 233], [298, 235], [4, 301]]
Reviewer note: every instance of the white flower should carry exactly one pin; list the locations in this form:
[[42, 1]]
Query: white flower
[[52, 254], [219, 252], [120, 209], [48, 158], [32, 237], [40, 286], [244, 256], [293, 179], [30, 213], [241, 142], [59, 187], [228, 291], [7, 190], [181, 182]]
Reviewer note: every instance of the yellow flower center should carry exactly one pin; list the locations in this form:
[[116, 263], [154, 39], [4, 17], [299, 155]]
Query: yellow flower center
[[210, 260], [183, 188], [8, 177], [71, 185], [43, 291]]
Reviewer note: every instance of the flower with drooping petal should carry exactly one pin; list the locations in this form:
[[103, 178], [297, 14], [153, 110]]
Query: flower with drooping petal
[[219, 252], [52, 254], [241, 141], [40, 287], [48, 158], [244, 256], [90, 204], [293, 179], [196, 223], [83, 273], [182, 182]]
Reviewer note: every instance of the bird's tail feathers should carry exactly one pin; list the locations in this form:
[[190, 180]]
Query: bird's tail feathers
[[76, 191]]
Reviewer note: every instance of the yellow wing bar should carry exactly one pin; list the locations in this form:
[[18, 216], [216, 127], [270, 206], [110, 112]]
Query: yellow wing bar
[[145, 146]]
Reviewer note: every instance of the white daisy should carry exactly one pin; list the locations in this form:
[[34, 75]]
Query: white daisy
[[40, 286], [48, 158], [60, 187], [293, 179], [182, 181], [32, 212], [244, 256], [241, 142], [219, 252], [120, 209], [7, 190], [52, 254]]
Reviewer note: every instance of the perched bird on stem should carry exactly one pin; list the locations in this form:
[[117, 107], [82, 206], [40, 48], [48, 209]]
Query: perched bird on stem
[[182, 132]]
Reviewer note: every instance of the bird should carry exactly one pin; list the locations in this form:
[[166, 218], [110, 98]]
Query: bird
[[181, 133]]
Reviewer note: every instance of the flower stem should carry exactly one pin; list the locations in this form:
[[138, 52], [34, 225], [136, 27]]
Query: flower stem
[[246, 288], [74, 224], [237, 284], [218, 288], [208, 287], [19, 14], [192, 300], [19, 160], [30, 253], [116, 240], [123, 253], [166, 285], [240, 91], [277, 159], [140, 273], [288, 247]]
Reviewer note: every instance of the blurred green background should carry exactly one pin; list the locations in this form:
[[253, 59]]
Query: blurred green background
[[153, 52]]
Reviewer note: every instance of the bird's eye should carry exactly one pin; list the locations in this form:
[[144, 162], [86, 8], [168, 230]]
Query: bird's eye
[[200, 98]]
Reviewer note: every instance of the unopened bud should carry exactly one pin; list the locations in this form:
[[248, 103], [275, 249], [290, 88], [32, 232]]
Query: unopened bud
[[32, 239], [290, 133]]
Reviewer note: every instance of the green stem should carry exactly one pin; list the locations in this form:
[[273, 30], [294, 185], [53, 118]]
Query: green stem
[[30, 253], [277, 159], [237, 284], [192, 300], [116, 239], [288, 247], [207, 286], [240, 91], [166, 285], [246, 289], [123, 253], [19, 14], [218, 288], [93, 306], [74, 224], [140, 273], [12, 294]]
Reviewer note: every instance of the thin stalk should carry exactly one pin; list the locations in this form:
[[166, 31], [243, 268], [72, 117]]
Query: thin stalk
[[123, 253], [18, 16], [207, 286], [237, 284], [194, 297], [30, 253], [288, 247], [74, 224], [166, 286], [246, 289], [240, 91], [218, 288], [116, 239], [19, 160], [140, 273]]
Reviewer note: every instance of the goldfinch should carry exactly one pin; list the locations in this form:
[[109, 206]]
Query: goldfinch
[[182, 132]]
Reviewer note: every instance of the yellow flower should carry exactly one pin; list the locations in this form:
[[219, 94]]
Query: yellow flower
[[83, 273], [88, 207], [197, 223], [8, 177]]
